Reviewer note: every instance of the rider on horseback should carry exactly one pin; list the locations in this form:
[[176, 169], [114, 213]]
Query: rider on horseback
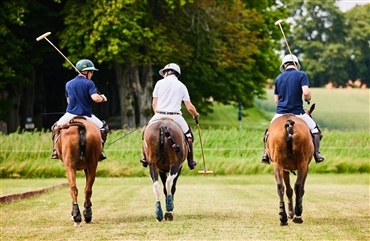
[[79, 92], [168, 95], [289, 87]]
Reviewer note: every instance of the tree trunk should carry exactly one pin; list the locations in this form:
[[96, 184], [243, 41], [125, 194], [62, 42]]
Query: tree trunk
[[14, 120], [28, 99], [126, 98], [135, 91], [143, 88]]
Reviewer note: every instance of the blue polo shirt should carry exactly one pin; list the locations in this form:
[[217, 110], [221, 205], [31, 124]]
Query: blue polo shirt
[[79, 91], [288, 86]]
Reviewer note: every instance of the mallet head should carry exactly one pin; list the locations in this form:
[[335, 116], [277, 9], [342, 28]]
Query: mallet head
[[279, 21], [43, 36]]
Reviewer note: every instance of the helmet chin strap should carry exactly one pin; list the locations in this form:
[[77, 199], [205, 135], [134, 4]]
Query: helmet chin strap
[[83, 74]]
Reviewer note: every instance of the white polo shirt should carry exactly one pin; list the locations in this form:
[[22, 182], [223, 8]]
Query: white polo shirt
[[170, 93]]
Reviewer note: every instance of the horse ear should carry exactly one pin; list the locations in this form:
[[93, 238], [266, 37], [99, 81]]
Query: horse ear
[[312, 108]]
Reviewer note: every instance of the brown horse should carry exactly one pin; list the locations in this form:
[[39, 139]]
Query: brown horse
[[79, 146], [165, 149], [290, 147]]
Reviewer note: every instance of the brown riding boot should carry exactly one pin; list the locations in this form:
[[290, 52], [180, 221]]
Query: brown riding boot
[[191, 162], [316, 142], [265, 157], [55, 131], [104, 132]]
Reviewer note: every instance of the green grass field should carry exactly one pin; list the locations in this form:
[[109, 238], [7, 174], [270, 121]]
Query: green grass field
[[336, 109], [335, 207]]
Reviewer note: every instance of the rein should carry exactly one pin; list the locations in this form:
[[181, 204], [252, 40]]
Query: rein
[[125, 135]]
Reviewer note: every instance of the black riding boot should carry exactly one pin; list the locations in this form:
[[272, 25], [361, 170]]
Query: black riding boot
[[143, 159], [54, 135], [265, 157], [104, 132], [316, 142], [191, 162]]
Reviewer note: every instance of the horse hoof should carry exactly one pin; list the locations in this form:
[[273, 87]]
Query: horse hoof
[[297, 220], [168, 216], [88, 220], [77, 225], [284, 224]]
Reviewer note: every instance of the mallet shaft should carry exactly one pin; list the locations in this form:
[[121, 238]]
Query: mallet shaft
[[44, 36], [282, 31]]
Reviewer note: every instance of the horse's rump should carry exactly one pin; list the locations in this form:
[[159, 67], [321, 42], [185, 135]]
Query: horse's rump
[[79, 141], [159, 148], [289, 142]]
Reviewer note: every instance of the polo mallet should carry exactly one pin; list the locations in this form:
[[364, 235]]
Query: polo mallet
[[201, 147], [291, 55], [44, 36]]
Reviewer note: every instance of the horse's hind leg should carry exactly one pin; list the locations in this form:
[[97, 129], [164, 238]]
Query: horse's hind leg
[[171, 185], [90, 179], [289, 194], [278, 172], [299, 192], [76, 215], [157, 193]]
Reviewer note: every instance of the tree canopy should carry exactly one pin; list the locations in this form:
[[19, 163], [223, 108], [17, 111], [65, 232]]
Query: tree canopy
[[227, 50]]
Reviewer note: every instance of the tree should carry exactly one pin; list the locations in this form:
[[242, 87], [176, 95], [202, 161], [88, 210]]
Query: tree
[[357, 45], [125, 35], [20, 21], [12, 14], [318, 40]]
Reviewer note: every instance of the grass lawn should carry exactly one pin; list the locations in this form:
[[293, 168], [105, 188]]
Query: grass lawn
[[336, 207]]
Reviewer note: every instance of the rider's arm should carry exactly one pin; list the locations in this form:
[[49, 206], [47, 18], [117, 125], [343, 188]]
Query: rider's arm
[[306, 92], [276, 99], [191, 108], [98, 98]]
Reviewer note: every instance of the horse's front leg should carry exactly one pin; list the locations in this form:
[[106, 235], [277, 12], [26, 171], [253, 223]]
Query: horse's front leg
[[90, 179], [289, 194], [278, 172], [157, 193], [76, 214]]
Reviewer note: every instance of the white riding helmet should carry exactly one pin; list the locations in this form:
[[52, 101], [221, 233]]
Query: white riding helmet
[[288, 58], [172, 66]]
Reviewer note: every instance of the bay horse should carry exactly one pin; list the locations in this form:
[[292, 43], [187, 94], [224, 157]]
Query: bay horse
[[165, 149], [79, 146], [290, 148]]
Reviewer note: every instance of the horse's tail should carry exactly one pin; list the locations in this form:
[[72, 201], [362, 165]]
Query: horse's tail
[[82, 134], [165, 135], [289, 136]]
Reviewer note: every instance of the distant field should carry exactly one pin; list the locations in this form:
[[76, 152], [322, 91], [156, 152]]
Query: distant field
[[230, 147], [336, 109]]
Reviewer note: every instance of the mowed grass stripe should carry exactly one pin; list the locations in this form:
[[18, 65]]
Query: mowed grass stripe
[[336, 207]]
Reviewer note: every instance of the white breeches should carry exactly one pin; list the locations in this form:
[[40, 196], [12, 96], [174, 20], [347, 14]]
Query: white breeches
[[311, 123], [68, 116], [177, 118]]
